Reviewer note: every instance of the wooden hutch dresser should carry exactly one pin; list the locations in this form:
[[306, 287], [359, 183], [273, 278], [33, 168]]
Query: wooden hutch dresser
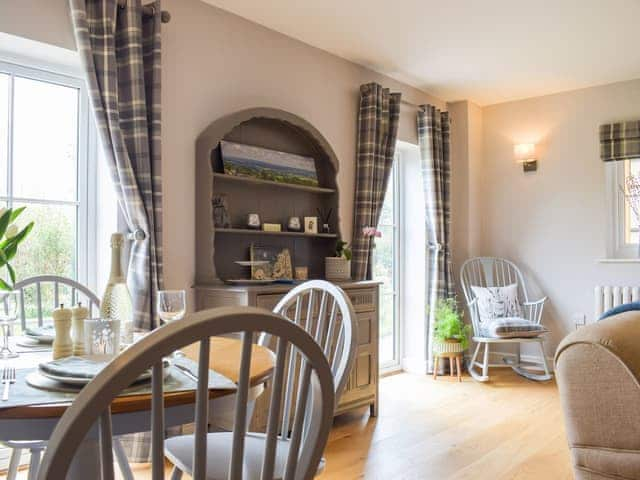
[[218, 249]]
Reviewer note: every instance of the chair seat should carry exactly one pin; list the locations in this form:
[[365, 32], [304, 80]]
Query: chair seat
[[512, 327], [179, 450]]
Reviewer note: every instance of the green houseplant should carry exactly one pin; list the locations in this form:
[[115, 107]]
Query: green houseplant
[[339, 266], [10, 237], [449, 327]]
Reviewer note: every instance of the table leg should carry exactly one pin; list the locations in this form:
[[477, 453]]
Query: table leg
[[86, 463], [435, 367]]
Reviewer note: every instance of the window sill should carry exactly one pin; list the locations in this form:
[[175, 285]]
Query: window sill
[[618, 260]]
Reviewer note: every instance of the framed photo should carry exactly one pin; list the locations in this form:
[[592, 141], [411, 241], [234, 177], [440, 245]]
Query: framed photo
[[310, 224], [257, 162]]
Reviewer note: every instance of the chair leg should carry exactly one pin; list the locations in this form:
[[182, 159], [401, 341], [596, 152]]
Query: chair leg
[[34, 464], [14, 463], [435, 367], [176, 473], [485, 363], [528, 373], [121, 458], [544, 360], [472, 365]]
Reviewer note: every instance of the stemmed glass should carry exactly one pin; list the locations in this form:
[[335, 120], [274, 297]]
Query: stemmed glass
[[171, 305], [8, 315]]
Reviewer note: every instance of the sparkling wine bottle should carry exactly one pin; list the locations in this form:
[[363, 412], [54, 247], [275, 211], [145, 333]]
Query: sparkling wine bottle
[[116, 301]]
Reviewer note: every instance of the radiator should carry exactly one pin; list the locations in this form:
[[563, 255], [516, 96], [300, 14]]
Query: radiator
[[607, 297]]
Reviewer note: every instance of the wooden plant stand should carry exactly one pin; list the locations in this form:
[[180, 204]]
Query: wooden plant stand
[[453, 351]]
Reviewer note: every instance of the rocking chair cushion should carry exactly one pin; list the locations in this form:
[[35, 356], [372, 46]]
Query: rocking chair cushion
[[497, 302], [512, 327]]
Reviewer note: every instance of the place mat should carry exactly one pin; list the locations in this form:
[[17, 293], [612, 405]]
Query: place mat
[[23, 394]]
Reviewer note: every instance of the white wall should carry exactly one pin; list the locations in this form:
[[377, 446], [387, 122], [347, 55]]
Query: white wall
[[553, 222], [215, 63]]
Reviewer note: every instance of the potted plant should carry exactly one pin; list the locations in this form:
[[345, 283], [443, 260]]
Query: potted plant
[[451, 334], [338, 267]]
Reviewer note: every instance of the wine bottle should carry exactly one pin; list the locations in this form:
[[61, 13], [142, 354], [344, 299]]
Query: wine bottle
[[116, 301]]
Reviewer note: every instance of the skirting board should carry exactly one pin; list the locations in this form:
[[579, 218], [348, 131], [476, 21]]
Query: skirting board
[[419, 366], [414, 365], [496, 357]]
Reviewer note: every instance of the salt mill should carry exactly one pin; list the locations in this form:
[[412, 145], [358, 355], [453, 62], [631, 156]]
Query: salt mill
[[62, 344]]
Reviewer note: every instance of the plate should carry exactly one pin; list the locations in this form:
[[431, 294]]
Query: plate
[[250, 263], [85, 380], [248, 281]]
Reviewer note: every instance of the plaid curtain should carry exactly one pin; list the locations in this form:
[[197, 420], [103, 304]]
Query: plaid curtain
[[120, 53], [433, 138], [378, 120], [620, 141]]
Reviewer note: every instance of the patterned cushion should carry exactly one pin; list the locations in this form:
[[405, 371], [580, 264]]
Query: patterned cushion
[[512, 327], [497, 302]]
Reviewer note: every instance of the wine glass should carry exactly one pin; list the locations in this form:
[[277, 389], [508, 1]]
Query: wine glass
[[8, 315], [171, 305]]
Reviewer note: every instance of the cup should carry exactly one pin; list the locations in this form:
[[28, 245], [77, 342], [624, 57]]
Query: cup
[[102, 337]]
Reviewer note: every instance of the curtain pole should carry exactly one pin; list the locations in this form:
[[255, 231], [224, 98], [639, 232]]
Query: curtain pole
[[149, 10]]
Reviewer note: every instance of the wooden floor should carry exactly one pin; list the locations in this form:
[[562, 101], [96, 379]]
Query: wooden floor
[[507, 429]]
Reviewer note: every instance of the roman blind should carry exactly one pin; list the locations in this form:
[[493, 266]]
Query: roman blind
[[620, 141]]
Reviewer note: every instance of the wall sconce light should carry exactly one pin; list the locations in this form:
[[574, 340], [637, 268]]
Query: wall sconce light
[[525, 153]]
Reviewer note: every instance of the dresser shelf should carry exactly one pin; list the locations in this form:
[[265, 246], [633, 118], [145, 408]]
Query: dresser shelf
[[258, 181], [246, 231]]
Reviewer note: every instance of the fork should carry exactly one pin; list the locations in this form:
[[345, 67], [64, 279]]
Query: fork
[[8, 377]]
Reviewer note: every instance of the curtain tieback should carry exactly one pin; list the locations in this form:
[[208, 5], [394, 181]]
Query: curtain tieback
[[435, 246], [137, 235]]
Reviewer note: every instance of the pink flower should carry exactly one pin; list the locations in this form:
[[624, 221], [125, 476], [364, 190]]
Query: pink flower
[[371, 232]]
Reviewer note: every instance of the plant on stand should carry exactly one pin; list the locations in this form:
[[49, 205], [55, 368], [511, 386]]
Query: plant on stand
[[451, 334], [11, 236]]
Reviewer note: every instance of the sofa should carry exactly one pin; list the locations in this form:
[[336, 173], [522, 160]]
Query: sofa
[[598, 372]]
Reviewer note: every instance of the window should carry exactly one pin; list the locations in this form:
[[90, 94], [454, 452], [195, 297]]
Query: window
[[624, 229], [386, 269], [48, 164]]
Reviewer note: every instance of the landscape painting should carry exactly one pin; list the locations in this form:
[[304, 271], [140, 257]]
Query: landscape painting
[[257, 162]]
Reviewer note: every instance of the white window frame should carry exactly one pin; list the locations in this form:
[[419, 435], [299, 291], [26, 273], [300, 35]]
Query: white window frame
[[617, 245], [394, 182], [87, 145]]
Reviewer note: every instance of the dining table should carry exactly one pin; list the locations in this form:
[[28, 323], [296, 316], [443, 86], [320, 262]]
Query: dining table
[[37, 418]]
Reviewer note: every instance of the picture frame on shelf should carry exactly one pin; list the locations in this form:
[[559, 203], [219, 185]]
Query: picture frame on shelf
[[311, 225], [263, 163]]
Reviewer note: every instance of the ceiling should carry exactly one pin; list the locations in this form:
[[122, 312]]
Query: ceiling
[[487, 51]]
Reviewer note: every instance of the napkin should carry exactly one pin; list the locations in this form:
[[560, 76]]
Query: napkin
[[78, 367], [44, 331]]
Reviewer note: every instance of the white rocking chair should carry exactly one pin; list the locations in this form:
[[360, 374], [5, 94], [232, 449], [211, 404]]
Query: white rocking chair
[[498, 272]]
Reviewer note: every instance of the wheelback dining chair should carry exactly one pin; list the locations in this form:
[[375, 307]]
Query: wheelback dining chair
[[325, 312], [70, 292], [240, 455], [489, 272]]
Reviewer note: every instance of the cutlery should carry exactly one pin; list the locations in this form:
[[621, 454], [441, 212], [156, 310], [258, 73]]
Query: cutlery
[[8, 377], [187, 372]]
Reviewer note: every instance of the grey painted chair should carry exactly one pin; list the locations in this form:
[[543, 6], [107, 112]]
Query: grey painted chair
[[245, 455], [324, 311], [69, 292], [498, 272]]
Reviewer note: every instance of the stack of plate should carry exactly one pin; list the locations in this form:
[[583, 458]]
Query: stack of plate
[[37, 335], [81, 370]]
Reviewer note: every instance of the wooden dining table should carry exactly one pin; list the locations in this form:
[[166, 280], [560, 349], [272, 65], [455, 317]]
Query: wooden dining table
[[131, 413]]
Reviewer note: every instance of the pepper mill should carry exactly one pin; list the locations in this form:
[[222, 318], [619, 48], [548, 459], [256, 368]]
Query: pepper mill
[[62, 343], [78, 315]]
